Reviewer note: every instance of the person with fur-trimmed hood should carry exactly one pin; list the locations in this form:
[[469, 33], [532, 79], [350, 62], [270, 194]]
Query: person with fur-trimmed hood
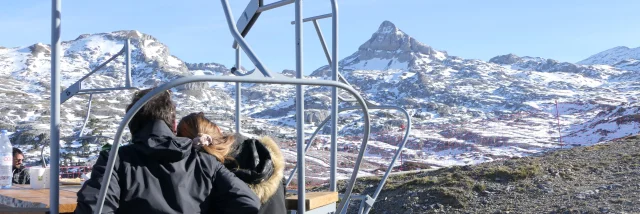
[[162, 173], [257, 162]]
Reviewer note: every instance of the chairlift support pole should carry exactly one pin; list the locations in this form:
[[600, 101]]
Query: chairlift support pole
[[300, 111], [54, 149]]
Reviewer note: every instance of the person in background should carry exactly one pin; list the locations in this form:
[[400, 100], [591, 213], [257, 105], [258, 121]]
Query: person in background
[[257, 162], [20, 173], [161, 173]]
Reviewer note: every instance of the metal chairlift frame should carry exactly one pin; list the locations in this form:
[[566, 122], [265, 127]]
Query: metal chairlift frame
[[76, 89], [254, 8], [367, 201]]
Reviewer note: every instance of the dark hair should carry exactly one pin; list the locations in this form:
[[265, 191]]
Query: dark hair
[[160, 107], [17, 151]]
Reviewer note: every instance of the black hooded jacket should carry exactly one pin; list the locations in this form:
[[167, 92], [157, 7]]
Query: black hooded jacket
[[162, 173], [260, 164]]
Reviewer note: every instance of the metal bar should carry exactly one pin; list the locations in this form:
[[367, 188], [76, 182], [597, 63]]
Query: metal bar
[[300, 110], [333, 186], [361, 207], [404, 140], [185, 80], [241, 41], [84, 137], [387, 173], [127, 58], [326, 54], [86, 119], [395, 157], [275, 5], [54, 149], [324, 45], [102, 65], [238, 94], [248, 18], [94, 90], [313, 136], [313, 18]]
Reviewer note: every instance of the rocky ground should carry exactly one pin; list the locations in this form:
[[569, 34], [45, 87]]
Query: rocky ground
[[604, 178]]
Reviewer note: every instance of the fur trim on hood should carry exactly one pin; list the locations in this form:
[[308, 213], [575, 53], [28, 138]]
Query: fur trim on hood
[[259, 163], [268, 187]]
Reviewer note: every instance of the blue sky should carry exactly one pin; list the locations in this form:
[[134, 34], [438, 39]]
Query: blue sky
[[196, 31]]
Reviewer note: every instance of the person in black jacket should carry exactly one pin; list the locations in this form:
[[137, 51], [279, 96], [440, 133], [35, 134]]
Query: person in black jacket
[[259, 163], [161, 173]]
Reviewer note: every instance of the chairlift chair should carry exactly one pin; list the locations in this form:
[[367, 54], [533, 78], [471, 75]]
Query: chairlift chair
[[247, 20]]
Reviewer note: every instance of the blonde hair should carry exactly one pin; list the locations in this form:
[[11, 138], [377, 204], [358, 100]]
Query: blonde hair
[[196, 124]]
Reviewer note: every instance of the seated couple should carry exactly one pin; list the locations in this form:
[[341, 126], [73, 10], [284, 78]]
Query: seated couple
[[191, 168]]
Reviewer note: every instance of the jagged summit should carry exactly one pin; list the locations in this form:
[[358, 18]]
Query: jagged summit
[[390, 38], [389, 48]]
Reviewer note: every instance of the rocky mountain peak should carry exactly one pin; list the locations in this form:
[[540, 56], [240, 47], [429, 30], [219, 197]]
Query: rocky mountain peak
[[507, 59], [390, 38]]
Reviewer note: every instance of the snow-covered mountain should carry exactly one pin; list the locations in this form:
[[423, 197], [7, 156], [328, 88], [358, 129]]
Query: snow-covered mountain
[[463, 110], [613, 56]]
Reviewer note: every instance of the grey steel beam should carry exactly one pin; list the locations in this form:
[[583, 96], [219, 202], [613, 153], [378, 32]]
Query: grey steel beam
[[333, 186], [326, 54], [238, 95], [104, 90], [322, 42], [274, 5], [248, 18], [127, 58], [314, 18], [368, 206], [103, 64], [185, 80], [56, 50], [393, 160], [300, 110], [243, 44]]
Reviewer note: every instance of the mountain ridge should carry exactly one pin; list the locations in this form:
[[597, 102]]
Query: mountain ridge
[[463, 111]]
